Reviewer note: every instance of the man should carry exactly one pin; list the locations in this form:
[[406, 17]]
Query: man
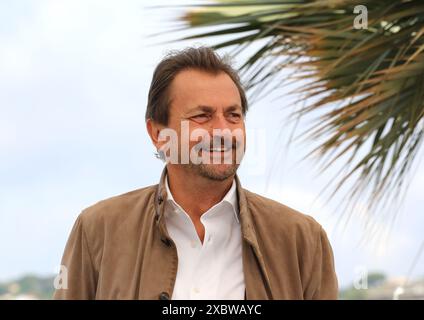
[[197, 234]]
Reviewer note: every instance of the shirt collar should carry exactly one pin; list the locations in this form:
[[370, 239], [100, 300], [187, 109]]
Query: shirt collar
[[230, 197]]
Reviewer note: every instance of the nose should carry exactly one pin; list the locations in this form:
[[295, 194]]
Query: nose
[[219, 122], [220, 130]]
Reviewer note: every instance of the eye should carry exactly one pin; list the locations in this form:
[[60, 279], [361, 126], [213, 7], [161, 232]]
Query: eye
[[235, 116], [200, 117]]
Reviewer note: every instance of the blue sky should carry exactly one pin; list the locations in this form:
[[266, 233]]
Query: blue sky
[[74, 77]]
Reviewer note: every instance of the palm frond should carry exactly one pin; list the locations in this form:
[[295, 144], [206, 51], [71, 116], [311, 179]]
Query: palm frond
[[374, 76]]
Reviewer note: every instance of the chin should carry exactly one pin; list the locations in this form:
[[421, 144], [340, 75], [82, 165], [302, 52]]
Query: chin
[[218, 172]]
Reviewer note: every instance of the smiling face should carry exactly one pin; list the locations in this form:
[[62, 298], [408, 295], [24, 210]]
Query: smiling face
[[209, 102]]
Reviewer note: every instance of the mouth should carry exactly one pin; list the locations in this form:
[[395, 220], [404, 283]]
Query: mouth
[[222, 149], [219, 151], [226, 155]]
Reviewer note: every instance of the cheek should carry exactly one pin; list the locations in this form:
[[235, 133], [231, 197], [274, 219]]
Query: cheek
[[197, 133], [241, 132], [171, 135]]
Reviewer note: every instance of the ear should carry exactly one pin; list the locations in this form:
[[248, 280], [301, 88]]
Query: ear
[[154, 129]]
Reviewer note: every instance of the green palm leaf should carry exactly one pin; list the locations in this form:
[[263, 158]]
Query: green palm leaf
[[372, 78]]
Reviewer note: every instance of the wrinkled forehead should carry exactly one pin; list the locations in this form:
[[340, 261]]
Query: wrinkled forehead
[[194, 90]]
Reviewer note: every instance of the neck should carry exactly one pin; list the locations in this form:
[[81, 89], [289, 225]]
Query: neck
[[207, 192]]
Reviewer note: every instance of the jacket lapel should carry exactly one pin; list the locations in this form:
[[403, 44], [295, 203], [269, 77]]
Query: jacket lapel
[[253, 262], [255, 273]]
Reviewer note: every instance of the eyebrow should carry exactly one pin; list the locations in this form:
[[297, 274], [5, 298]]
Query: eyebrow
[[212, 109], [234, 107]]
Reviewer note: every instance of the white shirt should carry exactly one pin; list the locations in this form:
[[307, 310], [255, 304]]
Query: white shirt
[[214, 269]]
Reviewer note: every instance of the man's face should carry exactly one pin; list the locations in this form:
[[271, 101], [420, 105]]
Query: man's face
[[212, 103]]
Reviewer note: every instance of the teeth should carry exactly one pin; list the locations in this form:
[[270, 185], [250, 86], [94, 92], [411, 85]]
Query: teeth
[[219, 149]]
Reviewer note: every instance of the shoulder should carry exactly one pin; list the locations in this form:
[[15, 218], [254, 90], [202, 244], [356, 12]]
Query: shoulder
[[118, 208], [279, 226], [277, 216]]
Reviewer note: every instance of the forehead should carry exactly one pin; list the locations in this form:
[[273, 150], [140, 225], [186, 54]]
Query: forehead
[[191, 88]]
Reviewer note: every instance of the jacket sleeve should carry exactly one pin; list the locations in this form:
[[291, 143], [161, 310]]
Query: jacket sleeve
[[323, 282], [78, 275]]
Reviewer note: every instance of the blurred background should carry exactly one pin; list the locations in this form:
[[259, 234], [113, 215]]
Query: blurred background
[[74, 78]]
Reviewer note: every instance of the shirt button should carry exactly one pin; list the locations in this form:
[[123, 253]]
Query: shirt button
[[164, 296], [193, 244], [166, 241]]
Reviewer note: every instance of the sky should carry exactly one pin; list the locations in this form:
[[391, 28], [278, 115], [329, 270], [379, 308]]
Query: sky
[[74, 77]]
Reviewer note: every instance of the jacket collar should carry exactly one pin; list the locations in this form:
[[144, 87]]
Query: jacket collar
[[245, 218], [244, 214], [230, 197]]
